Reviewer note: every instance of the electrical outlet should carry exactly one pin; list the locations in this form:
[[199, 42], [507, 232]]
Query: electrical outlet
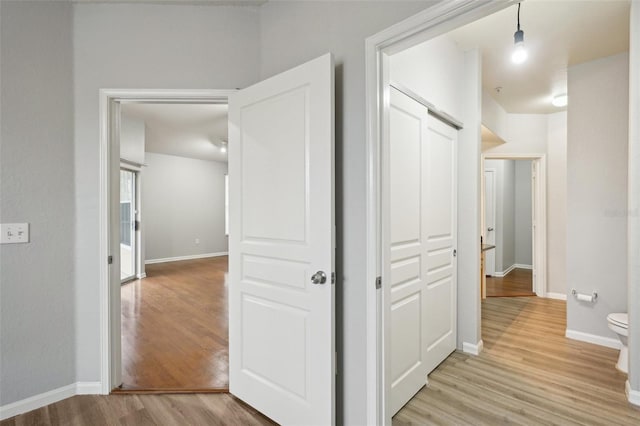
[[13, 233], [197, 240]]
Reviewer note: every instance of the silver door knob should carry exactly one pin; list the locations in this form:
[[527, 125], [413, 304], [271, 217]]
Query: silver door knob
[[489, 229], [319, 278]]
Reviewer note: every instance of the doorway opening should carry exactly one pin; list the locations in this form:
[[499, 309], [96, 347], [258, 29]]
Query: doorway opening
[[170, 315], [175, 316], [514, 222], [129, 225]]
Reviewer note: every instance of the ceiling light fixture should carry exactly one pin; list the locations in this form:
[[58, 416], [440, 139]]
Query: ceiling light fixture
[[519, 54], [560, 100], [223, 146]]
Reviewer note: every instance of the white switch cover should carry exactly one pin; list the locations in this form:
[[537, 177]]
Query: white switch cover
[[13, 233]]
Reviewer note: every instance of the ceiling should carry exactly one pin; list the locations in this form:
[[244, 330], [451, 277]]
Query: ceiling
[[186, 130], [212, 2], [557, 34]]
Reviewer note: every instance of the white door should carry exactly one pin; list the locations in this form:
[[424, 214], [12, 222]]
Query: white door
[[281, 245], [490, 220], [421, 295]]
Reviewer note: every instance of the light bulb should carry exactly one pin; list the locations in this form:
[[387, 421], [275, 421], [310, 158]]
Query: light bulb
[[223, 149], [519, 54]]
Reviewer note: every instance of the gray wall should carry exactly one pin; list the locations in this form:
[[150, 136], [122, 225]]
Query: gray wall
[[597, 191], [141, 46], [37, 325], [183, 199], [523, 216], [290, 36]]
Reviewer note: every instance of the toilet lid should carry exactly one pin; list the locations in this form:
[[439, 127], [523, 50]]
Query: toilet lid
[[619, 319]]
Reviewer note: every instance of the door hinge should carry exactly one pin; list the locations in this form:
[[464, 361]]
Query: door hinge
[[333, 278], [378, 283], [110, 260], [455, 252]]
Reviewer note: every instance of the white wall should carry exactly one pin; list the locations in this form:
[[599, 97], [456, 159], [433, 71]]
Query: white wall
[[37, 324], [633, 255], [597, 150], [141, 46], [183, 200], [293, 32], [522, 213], [132, 139], [433, 70], [494, 117], [557, 203]]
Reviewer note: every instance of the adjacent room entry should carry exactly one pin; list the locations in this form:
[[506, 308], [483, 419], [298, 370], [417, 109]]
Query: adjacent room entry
[[281, 253], [128, 225]]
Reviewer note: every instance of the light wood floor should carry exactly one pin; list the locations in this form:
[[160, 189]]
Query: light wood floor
[[528, 374], [175, 327], [165, 410], [517, 283]]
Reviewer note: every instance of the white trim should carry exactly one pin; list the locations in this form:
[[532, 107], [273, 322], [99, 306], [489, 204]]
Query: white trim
[[558, 296], [50, 397], [633, 396], [502, 274], [141, 276], [431, 22], [88, 388], [37, 401], [190, 257], [472, 348], [592, 338], [522, 266], [108, 98]]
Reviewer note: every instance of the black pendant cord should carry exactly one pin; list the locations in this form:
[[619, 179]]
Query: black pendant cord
[[519, 16]]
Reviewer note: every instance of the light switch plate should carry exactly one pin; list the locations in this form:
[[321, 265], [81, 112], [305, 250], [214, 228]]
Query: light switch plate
[[13, 233]]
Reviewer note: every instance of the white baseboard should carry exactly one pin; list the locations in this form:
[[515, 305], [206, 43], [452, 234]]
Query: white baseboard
[[522, 266], [559, 296], [88, 388], [502, 274], [633, 396], [37, 401], [472, 348], [50, 397], [191, 257], [592, 338], [141, 276]]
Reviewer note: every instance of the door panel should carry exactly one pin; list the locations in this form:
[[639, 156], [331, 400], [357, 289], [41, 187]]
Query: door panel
[[421, 239], [281, 325], [440, 225]]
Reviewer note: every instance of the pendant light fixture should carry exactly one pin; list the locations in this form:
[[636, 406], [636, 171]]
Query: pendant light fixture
[[519, 54]]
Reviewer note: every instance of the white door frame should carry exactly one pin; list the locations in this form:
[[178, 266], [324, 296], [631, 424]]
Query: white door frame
[[484, 208], [433, 21], [539, 211], [110, 146]]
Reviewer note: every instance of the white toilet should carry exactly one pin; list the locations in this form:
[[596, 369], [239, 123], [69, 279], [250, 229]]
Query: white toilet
[[619, 323]]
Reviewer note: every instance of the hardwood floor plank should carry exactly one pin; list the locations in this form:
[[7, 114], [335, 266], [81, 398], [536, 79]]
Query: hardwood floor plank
[[528, 373], [175, 328], [518, 282]]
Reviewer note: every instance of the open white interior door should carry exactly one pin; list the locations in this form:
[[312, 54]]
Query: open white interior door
[[281, 245]]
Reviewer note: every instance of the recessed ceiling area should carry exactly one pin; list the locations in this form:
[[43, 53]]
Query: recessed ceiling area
[[557, 34], [187, 130]]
